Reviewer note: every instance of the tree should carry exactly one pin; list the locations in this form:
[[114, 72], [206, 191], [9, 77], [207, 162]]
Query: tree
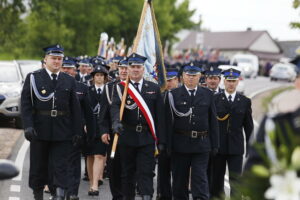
[[77, 24], [296, 5], [10, 24]]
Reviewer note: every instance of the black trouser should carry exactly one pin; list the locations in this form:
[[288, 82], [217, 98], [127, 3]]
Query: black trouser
[[235, 163], [45, 156], [182, 164], [138, 165], [114, 173], [74, 170], [164, 176]]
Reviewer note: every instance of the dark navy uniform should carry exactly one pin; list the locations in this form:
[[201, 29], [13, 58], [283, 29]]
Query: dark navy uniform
[[113, 165], [194, 133], [88, 120], [55, 119], [136, 144], [96, 146], [212, 71], [164, 189], [233, 119]]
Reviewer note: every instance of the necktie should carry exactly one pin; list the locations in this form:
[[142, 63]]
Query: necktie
[[192, 94], [82, 79], [230, 99], [99, 91], [54, 81], [136, 85]]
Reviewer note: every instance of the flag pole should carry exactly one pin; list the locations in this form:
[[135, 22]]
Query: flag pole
[[137, 39], [157, 35]]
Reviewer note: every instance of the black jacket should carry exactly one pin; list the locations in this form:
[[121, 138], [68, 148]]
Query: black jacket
[[152, 96], [203, 118], [59, 128], [95, 101], [231, 129], [87, 116], [105, 118]]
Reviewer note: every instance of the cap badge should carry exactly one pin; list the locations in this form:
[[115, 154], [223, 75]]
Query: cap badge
[[211, 69], [43, 91]]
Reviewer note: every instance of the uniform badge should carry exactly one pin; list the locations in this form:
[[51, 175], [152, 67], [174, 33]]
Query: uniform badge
[[223, 98], [43, 91], [238, 99], [184, 103], [231, 71], [146, 84], [151, 92], [128, 102]]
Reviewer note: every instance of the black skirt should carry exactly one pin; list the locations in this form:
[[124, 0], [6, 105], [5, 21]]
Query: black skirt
[[95, 147]]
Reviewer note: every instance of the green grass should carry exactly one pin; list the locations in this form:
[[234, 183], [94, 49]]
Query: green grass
[[274, 93]]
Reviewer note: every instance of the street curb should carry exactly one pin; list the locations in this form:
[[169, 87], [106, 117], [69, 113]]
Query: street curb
[[17, 142], [251, 96]]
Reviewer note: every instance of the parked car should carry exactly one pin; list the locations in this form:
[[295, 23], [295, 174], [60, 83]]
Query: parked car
[[12, 76], [283, 71], [27, 66], [10, 91], [247, 63], [241, 85]]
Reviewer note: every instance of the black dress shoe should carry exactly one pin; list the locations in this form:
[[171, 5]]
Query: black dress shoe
[[73, 197], [96, 193], [100, 182], [85, 178], [93, 192], [38, 194]]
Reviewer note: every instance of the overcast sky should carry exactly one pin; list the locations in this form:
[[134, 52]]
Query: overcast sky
[[236, 15]]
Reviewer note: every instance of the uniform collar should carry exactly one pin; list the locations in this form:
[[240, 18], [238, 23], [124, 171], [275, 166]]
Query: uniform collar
[[140, 83], [232, 95], [188, 90], [49, 73], [216, 90], [101, 87], [81, 75]]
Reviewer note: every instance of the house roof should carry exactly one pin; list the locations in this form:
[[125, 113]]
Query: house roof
[[289, 48], [221, 40], [231, 40]]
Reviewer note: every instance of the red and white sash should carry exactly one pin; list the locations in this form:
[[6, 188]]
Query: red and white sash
[[138, 99]]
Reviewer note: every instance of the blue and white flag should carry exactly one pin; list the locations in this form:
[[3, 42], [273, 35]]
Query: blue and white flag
[[147, 43]]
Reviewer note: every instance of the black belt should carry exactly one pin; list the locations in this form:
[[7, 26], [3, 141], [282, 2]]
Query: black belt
[[52, 113], [137, 128], [193, 134]]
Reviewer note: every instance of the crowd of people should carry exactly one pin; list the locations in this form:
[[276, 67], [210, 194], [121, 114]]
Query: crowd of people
[[192, 130]]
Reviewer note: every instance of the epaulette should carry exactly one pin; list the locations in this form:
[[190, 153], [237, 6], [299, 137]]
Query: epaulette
[[37, 71]]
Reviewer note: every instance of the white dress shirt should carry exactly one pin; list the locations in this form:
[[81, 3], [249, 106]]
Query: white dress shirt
[[49, 72], [188, 90], [140, 84], [232, 95]]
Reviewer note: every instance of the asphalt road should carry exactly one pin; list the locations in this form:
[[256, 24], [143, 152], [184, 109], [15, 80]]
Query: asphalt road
[[17, 189]]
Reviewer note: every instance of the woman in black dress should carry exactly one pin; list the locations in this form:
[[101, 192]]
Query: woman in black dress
[[96, 150]]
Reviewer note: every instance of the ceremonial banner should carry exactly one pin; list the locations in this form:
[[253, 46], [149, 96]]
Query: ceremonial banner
[[147, 43]]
